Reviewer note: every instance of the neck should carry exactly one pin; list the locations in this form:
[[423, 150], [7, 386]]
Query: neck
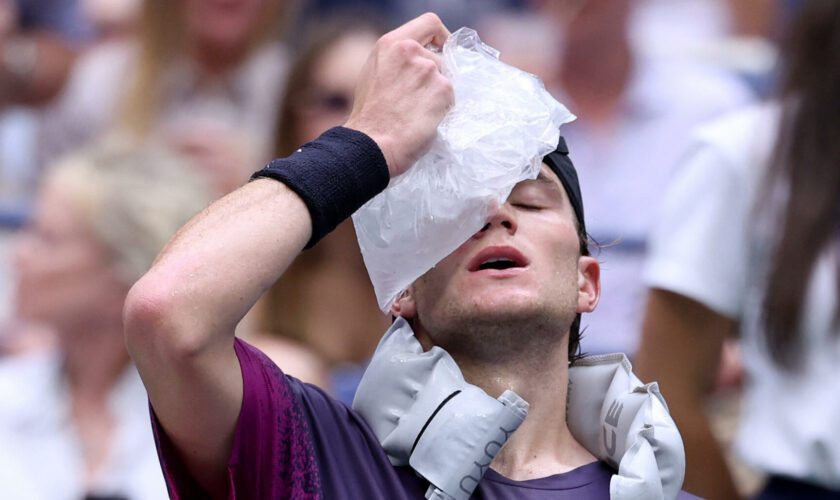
[[216, 61], [543, 444], [94, 359]]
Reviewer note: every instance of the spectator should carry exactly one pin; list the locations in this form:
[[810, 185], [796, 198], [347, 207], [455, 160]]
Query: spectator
[[634, 118], [325, 299], [74, 419], [201, 77], [39, 42], [748, 243]]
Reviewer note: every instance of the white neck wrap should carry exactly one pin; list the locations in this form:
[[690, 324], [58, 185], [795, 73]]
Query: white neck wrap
[[427, 416]]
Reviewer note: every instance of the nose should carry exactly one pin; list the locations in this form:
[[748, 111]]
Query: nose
[[503, 217]]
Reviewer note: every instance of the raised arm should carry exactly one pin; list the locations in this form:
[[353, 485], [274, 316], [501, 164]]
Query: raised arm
[[180, 317]]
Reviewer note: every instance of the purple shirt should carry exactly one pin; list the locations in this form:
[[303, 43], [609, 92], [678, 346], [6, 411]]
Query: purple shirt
[[292, 440]]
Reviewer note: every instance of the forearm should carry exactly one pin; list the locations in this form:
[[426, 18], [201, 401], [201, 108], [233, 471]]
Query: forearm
[[681, 346], [218, 265], [707, 472]]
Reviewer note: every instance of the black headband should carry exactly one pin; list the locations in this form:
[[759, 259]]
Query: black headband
[[560, 163]]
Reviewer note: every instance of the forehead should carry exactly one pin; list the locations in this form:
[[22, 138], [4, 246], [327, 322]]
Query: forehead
[[548, 180]]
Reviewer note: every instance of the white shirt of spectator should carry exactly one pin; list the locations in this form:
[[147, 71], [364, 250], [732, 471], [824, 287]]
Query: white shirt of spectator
[[42, 457], [710, 248], [623, 174]]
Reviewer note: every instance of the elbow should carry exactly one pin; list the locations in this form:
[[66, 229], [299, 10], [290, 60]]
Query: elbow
[[155, 324]]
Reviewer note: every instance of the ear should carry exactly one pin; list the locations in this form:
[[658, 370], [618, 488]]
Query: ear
[[405, 306], [589, 284]]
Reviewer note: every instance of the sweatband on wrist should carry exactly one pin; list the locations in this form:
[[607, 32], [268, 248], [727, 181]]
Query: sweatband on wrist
[[334, 175]]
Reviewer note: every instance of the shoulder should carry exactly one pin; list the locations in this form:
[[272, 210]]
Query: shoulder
[[728, 152], [742, 137], [688, 90], [293, 438], [699, 247], [297, 359]]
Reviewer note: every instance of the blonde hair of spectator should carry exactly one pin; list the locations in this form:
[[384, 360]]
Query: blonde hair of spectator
[[133, 198], [162, 37]]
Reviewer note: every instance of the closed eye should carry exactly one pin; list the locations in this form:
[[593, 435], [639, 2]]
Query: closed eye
[[527, 206]]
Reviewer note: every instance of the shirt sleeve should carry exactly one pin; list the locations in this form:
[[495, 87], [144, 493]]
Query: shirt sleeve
[[272, 454], [699, 247]]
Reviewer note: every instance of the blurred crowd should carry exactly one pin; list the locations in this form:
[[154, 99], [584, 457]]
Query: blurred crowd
[[120, 119]]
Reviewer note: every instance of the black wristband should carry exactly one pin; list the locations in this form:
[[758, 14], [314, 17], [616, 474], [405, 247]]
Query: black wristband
[[334, 175]]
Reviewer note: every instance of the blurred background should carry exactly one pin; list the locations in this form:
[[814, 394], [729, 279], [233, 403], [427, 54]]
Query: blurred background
[[217, 88]]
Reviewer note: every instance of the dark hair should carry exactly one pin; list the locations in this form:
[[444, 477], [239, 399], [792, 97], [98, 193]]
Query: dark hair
[[575, 333], [806, 165]]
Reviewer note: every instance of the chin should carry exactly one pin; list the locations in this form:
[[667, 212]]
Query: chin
[[491, 333], [505, 297], [504, 305]]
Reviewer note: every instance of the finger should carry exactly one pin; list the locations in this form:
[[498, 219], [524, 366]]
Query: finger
[[426, 29], [428, 54]]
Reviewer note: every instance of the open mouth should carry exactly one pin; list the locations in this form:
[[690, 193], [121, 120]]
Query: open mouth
[[497, 264], [498, 258]]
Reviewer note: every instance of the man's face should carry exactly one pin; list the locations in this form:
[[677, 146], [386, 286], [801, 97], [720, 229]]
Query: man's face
[[522, 271]]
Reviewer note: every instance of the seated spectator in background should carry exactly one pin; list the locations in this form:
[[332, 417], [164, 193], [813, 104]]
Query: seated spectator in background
[[202, 77], [39, 41], [325, 300], [749, 243], [634, 118], [74, 419]]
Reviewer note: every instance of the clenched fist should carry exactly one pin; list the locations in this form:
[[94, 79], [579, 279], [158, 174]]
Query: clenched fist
[[401, 96]]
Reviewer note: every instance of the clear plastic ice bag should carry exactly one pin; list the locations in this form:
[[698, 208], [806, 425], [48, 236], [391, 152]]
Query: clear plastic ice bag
[[502, 124]]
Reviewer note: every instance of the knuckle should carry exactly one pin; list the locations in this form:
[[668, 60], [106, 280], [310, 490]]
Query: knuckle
[[431, 18], [446, 86], [408, 48], [445, 82], [427, 65], [447, 94], [385, 40], [405, 46]]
